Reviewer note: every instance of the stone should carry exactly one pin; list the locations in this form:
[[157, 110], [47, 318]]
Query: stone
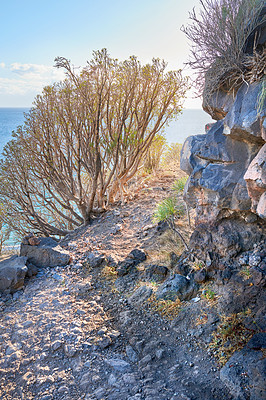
[[257, 342], [200, 276], [99, 393], [132, 355], [156, 272], [129, 379], [34, 241], [177, 286], [245, 374], [32, 270], [105, 342], [12, 273], [118, 364], [145, 360], [134, 258], [47, 254], [85, 380], [140, 295], [95, 260]]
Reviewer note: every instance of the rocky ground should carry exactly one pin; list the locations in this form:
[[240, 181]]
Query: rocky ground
[[79, 331]]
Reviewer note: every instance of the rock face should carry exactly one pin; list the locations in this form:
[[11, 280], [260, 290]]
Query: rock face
[[227, 177], [45, 253], [227, 165], [227, 188], [12, 273]]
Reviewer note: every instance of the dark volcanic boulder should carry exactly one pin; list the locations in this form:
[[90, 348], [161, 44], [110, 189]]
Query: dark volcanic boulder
[[226, 166], [48, 253], [245, 374], [177, 286], [134, 258], [12, 273]]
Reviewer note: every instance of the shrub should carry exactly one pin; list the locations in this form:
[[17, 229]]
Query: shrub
[[172, 153], [219, 34], [153, 157], [179, 185], [168, 210], [84, 140]]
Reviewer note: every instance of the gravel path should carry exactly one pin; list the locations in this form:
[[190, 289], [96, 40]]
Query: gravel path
[[71, 334]]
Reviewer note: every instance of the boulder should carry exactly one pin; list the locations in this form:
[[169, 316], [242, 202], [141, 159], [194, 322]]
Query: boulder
[[245, 374], [226, 166], [48, 253], [134, 258], [12, 273], [177, 286]]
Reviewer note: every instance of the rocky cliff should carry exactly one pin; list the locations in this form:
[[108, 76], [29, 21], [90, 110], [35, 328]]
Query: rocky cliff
[[227, 188], [227, 173]]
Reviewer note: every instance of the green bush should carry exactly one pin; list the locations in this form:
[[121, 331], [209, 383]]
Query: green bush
[[167, 209]]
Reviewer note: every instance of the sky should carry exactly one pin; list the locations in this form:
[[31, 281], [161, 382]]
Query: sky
[[34, 32]]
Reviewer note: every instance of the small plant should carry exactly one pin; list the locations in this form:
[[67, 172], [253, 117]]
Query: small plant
[[197, 266], [167, 211], [109, 273], [166, 308], [245, 273], [202, 319], [179, 185], [231, 335], [209, 294]]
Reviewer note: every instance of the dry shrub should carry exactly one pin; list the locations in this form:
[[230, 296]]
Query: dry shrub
[[219, 34], [154, 155], [171, 157]]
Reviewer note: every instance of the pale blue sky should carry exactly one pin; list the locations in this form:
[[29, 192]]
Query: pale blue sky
[[34, 32]]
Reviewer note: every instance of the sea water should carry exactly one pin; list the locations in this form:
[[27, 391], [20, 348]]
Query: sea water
[[190, 122], [10, 119]]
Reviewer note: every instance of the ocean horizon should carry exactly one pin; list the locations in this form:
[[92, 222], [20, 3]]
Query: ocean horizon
[[190, 122]]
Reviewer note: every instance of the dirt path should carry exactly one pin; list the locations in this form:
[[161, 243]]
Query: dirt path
[[73, 333]]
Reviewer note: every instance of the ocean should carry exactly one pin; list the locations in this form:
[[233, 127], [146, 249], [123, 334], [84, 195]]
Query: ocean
[[10, 118], [190, 122]]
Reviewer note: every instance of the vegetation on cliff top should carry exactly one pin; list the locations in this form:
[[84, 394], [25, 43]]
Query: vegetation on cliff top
[[221, 34]]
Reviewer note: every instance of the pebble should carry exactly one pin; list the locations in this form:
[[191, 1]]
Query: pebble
[[118, 365]]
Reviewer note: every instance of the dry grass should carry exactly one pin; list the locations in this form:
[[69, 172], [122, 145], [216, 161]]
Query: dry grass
[[109, 273], [231, 336], [166, 308], [166, 244]]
